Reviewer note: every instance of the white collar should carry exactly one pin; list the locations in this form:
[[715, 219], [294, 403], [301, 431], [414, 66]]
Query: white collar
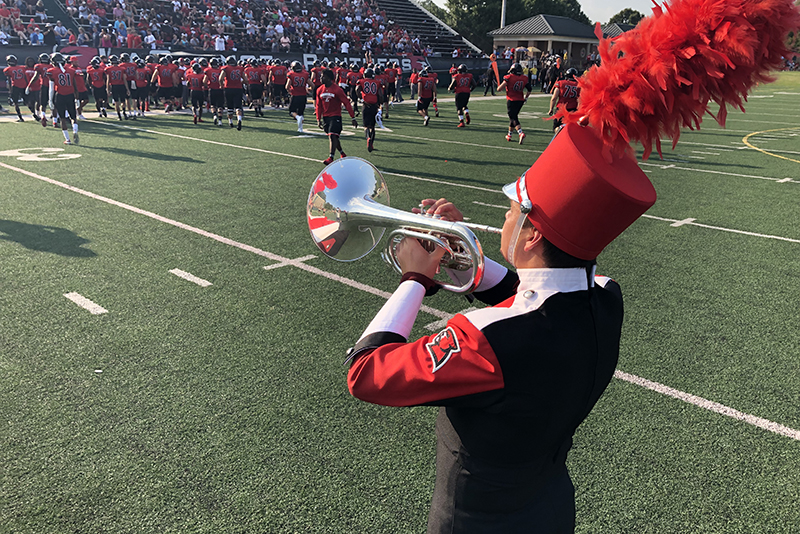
[[553, 280]]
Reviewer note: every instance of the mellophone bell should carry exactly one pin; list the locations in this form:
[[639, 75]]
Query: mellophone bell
[[348, 213]]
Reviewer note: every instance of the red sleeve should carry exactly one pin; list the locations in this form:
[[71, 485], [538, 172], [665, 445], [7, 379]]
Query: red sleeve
[[317, 105], [439, 369], [346, 102]]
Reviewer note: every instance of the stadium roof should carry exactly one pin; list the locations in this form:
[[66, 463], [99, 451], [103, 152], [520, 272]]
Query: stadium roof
[[613, 30], [547, 25]]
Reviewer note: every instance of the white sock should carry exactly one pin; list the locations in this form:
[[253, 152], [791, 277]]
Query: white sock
[[66, 134], [461, 117], [75, 127], [466, 111], [299, 121]]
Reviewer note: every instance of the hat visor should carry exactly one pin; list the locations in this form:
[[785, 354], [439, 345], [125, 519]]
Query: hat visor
[[510, 190]]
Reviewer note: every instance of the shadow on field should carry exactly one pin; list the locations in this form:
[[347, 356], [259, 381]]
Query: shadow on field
[[45, 239], [140, 154]]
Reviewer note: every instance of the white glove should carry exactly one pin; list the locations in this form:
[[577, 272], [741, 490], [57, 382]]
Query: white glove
[[27, 90]]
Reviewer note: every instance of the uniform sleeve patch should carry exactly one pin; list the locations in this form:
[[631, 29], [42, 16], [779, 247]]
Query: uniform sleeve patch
[[442, 346]]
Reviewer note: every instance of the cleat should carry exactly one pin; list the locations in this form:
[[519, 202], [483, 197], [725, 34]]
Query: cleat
[[467, 117], [20, 119], [200, 120], [81, 117], [437, 113], [230, 124], [328, 161], [36, 117], [105, 114], [239, 125], [67, 142], [370, 148], [508, 138], [195, 119], [216, 122], [461, 125], [426, 121], [342, 155], [521, 137], [76, 138], [300, 130]]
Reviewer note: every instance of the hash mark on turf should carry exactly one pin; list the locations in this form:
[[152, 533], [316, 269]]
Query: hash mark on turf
[[292, 263], [681, 223], [86, 304], [190, 277]]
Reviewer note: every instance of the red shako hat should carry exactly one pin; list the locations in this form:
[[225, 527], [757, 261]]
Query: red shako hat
[[586, 188], [580, 200]]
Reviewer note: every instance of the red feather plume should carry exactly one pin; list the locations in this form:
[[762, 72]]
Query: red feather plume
[[662, 75]]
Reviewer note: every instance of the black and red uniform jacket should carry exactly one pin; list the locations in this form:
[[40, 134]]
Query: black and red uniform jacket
[[514, 381]]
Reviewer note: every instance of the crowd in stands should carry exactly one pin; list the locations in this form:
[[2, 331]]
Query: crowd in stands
[[350, 27]]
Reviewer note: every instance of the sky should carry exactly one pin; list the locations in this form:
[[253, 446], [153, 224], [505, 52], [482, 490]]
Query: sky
[[602, 10]]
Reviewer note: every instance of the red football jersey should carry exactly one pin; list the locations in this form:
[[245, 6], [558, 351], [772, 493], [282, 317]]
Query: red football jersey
[[353, 77], [299, 83], [97, 76], [253, 75], [463, 83], [116, 75], [195, 80], [164, 75], [16, 76], [279, 75], [63, 79], [80, 79], [316, 76], [568, 93], [369, 90], [515, 85], [212, 75], [29, 73], [426, 84], [330, 99], [143, 76], [130, 70], [234, 75]]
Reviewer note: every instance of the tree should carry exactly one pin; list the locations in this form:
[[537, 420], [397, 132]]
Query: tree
[[474, 19], [438, 12], [626, 16]]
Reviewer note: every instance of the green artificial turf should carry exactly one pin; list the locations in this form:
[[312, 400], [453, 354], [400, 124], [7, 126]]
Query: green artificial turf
[[224, 409]]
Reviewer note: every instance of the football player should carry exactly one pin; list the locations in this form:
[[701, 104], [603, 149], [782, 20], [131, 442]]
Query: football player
[[117, 85], [17, 83], [298, 84], [352, 77], [141, 92], [166, 76], [194, 81], [462, 85], [370, 92], [426, 89], [62, 91], [96, 73], [80, 82], [32, 93], [232, 78], [514, 84], [330, 98], [215, 94], [255, 85], [130, 73], [277, 78], [566, 93]]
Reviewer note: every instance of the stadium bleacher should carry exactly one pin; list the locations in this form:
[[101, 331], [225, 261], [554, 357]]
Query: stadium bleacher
[[310, 26]]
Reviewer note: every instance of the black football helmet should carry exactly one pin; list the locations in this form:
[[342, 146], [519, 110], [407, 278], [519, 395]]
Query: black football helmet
[[140, 63], [317, 63], [150, 59], [297, 66], [95, 62], [571, 73], [11, 59], [44, 58], [197, 68], [124, 57], [230, 61], [462, 69], [57, 59], [214, 62], [515, 68], [369, 73], [114, 60], [203, 62], [163, 61]]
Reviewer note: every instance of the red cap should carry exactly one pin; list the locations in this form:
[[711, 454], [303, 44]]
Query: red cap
[[581, 196]]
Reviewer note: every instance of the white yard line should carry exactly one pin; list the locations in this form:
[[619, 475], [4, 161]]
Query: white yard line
[[660, 388], [709, 405], [190, 277], [86, 304]]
